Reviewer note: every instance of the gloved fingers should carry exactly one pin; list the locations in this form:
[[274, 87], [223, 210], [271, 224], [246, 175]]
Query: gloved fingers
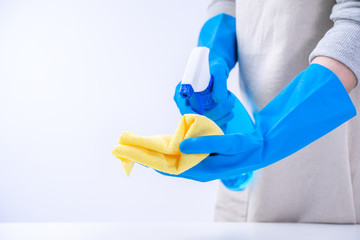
[[184, 107], [222, 108], [224, 128], [218, 112], [212, 168], [219, 72], [222, 121], [190, 175], [165, 174], [195, 175], [216, 167], [223, 144]]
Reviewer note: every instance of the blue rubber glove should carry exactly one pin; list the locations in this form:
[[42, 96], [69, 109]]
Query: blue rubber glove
[[240, 123], [219, 35], [312, 105]]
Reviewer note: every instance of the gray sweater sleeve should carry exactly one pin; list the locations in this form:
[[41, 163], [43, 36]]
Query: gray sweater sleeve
[[342, 41], [221, 6]]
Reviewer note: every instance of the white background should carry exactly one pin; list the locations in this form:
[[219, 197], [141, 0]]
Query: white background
[[73, 76]]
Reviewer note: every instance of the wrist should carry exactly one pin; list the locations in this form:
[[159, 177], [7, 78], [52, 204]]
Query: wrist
[[219, 35], [346, 76]]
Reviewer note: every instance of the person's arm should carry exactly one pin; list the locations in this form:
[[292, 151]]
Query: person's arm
[[218, 46], [218, 38], [346, 76], [313, 104], [217, 7], [339, 49]]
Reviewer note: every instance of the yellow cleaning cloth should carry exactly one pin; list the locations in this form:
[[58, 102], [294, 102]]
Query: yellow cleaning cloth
[[161, 152]]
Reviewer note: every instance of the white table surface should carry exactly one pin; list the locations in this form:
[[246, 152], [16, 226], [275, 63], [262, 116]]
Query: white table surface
[[174, 231]]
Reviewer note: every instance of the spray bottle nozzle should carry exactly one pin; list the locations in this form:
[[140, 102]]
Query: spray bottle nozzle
[[186, 90]]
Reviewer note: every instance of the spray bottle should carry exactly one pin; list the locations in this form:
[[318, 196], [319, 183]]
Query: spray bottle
[[196, 86]]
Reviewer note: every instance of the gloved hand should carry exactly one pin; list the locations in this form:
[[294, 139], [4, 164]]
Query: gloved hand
[[313, 104], [240, 123], [218, 35]]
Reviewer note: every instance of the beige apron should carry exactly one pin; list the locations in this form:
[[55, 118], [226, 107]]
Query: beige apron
[[320, 183]]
